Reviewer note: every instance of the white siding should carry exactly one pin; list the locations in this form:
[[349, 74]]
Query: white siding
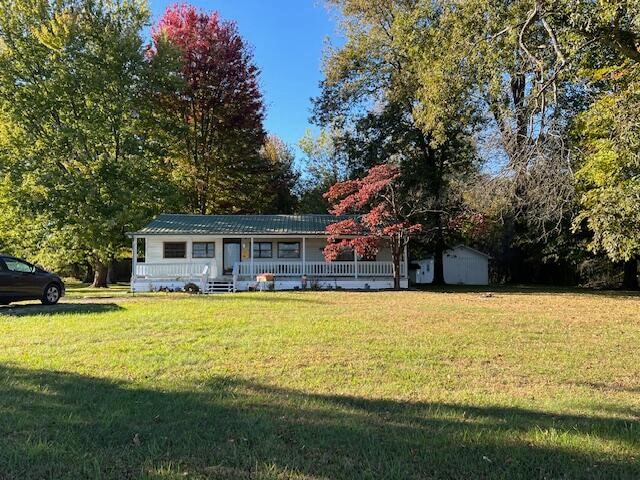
[[314, 248], [465, 267], [462, 266], [154, 249]]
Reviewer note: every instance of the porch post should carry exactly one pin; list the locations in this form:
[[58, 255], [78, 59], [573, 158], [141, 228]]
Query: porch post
[[304, 255], [251, 257], [355, 262], [406, 262], [134, 258]]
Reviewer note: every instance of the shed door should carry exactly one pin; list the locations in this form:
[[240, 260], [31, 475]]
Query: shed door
[[461, 268]]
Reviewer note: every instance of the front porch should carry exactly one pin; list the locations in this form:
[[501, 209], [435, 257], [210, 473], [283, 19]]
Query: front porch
[[355, 269], [288, 275]]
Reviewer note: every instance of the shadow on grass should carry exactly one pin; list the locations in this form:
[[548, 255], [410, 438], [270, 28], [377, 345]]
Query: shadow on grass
[[59, 309], [57, 425], [608, 386]]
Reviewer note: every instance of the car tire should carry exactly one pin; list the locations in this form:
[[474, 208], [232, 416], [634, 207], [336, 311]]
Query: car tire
[[52, 294]]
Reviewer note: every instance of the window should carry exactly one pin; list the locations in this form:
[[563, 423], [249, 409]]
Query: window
[[175, 250], [203, 250], [288, 249], [18, 266], [262, 250], [346, 255]]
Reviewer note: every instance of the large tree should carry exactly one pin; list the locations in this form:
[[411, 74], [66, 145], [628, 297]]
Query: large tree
[[79, 167], [609, 174], [531, 57], [218, 110], [378, 93]]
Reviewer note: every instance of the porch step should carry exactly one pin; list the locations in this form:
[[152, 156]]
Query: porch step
[[219, 287]]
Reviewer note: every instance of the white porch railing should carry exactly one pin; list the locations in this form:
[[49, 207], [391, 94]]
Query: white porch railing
[[175, 270], [320, 269]]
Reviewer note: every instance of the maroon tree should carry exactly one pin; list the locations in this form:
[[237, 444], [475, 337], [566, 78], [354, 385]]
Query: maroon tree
[[218, 108], [381, 216]]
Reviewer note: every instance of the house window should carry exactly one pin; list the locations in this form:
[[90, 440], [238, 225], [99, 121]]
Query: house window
[[175, 250], [262, 250], [346, 255], [203, 250], [288, 249]]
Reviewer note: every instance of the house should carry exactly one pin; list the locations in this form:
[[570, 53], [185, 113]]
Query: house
[[228, 253], [462, 266]]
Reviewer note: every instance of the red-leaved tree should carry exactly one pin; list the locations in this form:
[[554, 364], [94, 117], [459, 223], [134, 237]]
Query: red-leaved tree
[[378, 215], [218, 107]]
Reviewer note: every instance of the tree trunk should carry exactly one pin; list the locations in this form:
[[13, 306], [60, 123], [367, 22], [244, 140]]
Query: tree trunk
[[397, 256], [630, 279], [100, 277]]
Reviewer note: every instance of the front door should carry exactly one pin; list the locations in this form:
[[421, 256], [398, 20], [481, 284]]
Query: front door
[[231, 254]]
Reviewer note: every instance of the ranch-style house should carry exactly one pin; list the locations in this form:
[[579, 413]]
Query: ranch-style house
[[233, 252]]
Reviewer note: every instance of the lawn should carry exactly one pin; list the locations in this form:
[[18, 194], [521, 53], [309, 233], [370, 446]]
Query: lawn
[[422, 385]]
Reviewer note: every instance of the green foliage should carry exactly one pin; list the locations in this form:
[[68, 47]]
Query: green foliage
[[609, 134], [77, 157], [282, 177], [323, 165]]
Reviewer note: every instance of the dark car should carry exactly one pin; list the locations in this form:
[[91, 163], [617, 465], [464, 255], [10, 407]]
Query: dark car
[[19, 280]]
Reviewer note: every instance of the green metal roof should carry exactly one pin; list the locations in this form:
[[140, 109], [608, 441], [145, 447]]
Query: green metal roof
[[173, 224]]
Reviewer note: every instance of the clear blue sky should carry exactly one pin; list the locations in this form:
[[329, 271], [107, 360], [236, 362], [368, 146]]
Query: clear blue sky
[[287, 37]]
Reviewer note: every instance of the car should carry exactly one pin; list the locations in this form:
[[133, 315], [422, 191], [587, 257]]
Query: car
[[20, 280]]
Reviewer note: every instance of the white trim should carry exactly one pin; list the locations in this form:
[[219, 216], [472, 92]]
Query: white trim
[[134, 258], [355, 263], [406, 262], [253, 272], [239, 235], [304, 255], [462, 245]]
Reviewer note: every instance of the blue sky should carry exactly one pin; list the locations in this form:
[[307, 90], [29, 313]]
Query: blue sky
[[287, 37]]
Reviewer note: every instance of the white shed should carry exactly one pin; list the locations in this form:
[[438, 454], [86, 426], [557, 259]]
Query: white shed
[[462, 266]]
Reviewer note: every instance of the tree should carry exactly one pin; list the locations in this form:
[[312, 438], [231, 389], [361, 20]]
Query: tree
[[323, 166], [219, 111], [609, 174], [381, 89], [531, 56], [279, 158], [78, 163], [382, 217]]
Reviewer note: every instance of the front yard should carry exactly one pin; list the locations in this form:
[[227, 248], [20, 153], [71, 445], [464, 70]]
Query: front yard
[[321, 386]]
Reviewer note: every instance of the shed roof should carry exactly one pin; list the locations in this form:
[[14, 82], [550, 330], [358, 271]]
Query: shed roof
[[177, 224], [457, 247]]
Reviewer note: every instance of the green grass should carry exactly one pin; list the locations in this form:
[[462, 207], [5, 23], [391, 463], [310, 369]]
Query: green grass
[[78, 290], [411, 385]]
